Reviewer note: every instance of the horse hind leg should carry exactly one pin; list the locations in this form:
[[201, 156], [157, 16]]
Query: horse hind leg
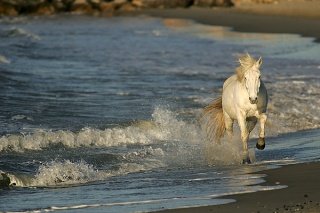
[[229, 125], [251, 123]]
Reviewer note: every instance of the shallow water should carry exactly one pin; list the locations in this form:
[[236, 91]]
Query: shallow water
[[101, 113]]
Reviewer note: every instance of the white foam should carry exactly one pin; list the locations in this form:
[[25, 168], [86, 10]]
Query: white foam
[[18, 32], [66, 173], [294, 105], [20, 117], [56, 174], [4, 60], [163, 127]]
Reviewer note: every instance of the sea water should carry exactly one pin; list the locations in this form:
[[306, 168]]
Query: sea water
[[100, 114]]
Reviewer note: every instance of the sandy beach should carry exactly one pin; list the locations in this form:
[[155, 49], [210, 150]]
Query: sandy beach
[[301, 195], [249, 18], [292, 17]]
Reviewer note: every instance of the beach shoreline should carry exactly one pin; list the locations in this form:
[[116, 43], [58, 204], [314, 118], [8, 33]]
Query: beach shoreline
[[240, 20], [301, 195]]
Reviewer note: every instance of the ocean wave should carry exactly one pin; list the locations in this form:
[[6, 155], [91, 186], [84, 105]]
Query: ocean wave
[[294, 105], [62, 173], [18, 32], [13, 20], [66, 173], [164, 126], [4, 60]]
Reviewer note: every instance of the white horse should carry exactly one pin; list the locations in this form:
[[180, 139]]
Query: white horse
[[244, 98]]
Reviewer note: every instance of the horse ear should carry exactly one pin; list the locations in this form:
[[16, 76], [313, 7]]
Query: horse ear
[[259, 62]]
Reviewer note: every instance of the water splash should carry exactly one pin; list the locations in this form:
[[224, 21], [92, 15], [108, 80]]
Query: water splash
[[226, 153]]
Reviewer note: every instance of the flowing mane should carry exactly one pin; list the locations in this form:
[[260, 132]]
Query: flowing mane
[[246, 62]]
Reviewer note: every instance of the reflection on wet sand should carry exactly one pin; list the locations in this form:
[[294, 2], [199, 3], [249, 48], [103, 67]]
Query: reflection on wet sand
[[213, 31]]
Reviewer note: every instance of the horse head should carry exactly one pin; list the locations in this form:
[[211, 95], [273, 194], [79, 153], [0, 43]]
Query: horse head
[[252, 81], [251, 76]]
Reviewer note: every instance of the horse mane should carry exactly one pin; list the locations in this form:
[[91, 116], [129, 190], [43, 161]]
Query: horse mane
[[246, 62]]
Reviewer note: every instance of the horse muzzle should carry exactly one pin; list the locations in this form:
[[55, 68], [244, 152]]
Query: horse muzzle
[[253, 100]]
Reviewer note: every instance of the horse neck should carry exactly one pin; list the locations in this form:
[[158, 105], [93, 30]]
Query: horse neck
[[242, 90], [241, 83]]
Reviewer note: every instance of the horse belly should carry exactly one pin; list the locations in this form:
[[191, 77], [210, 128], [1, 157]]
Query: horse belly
[[262, 98]]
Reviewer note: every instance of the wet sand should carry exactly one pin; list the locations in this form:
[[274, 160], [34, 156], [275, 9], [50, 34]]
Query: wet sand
[[301, 195], [243, 20]]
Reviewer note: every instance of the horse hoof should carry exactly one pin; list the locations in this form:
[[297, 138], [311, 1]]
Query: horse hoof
[[261, 144], [4, 180], [260, 147], [246, 161]]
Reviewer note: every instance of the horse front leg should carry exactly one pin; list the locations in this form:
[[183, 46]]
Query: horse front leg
[[261, 142], [244, 136]]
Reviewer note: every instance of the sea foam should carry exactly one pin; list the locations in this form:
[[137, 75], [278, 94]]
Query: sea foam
[[163, 126]]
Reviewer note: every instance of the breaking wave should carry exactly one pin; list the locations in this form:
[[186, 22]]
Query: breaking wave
[[18, 32], [67, 173], [159, 139], [295, 103], [163, 126], [4, 60], [164, 141]]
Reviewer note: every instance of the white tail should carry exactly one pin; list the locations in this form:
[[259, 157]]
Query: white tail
[[215, 126]]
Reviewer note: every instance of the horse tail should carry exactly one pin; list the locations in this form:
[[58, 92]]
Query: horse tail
[[215, 126]]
